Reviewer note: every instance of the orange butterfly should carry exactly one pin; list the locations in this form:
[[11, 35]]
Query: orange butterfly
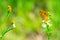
[[44, 16]]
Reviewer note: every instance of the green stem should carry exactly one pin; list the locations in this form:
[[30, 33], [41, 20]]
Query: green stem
[[48, 32], [48, 37], [0, 38], [4, 32]]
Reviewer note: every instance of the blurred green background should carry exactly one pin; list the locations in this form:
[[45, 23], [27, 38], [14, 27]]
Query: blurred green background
[[26, 15]]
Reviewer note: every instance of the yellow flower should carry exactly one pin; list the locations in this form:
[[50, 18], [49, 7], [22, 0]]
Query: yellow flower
[[9, 8], [45, 22]]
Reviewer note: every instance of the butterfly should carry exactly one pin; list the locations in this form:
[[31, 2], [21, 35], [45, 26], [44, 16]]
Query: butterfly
[[44, 15]]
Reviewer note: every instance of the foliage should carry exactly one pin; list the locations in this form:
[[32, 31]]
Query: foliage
[[27, 18]]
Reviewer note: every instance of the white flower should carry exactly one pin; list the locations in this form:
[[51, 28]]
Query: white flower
[[44, 25], [14, 25]]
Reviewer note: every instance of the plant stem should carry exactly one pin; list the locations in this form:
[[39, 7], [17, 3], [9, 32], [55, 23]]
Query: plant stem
[[48, 32], [0, 38], [4, 32], [48, 37]]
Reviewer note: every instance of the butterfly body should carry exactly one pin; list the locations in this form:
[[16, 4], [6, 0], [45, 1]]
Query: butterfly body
[[44, 15]]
